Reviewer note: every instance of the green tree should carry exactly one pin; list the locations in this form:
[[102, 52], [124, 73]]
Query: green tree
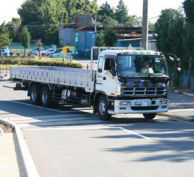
[[100, 39], [39, 45], [105, 13], [4, 36], [80, 7], [188, 6], [189, 38], [188, 43], [25, 39], [121, 12], [90, 7], [133, 21], [14, 27], [151, 26], [43, 18], [110, 37], [73, 7], [169, 29]]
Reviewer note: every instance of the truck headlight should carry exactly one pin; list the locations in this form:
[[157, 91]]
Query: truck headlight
[[163, 102], [118, 90]]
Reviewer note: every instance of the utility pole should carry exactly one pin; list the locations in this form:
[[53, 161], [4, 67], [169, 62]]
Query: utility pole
[[95, 23], [145, 25]]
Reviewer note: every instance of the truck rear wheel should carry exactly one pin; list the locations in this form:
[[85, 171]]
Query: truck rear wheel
[[149, 116], [35, 94], [103, 108], [45, 97]]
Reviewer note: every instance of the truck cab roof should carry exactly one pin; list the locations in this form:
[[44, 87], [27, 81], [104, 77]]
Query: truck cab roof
[[129, 52]]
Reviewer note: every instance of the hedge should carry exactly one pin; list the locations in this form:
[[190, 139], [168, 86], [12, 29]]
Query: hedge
[[40, 62]]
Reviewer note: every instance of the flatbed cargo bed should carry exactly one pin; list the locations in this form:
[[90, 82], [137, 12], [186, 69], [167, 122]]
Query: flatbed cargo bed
[[55, 75]]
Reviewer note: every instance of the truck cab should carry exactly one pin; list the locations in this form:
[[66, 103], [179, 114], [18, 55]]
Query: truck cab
[[132, 81]]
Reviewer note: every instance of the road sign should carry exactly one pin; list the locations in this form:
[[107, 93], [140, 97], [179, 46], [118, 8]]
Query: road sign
[[64, 51]]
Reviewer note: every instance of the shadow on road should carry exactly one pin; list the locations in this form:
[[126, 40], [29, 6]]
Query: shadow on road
[[169, 141], [26, 109]]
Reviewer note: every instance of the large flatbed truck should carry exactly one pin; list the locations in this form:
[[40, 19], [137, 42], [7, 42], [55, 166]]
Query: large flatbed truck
[[125, 81]]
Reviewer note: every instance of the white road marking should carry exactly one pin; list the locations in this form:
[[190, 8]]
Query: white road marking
[[48, 120], [52, 125], [93, 128], [65, 117], [177, 110], [54, 110], [134, 133], [178, 104], [62, 116], [73, 128]]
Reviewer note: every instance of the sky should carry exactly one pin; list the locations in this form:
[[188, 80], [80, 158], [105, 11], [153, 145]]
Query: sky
[[8, 8]]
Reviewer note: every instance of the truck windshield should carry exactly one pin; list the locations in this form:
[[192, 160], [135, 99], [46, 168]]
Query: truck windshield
[[141, 66]]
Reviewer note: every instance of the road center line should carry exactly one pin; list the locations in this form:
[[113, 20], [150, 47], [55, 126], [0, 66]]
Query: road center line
[[134, 133]]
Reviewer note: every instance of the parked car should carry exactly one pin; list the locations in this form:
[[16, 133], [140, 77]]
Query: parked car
[[36, 51], [49, 51], [5, 52], [59, 53]]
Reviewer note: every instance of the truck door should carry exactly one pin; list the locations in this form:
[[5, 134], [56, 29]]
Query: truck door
[[106, 77]]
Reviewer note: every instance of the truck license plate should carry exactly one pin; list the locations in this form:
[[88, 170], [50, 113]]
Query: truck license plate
[[142, 103]]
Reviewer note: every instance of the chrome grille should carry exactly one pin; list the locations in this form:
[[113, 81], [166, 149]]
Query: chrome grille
[[144, 91]]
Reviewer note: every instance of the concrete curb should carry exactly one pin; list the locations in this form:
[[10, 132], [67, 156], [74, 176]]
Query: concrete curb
[[184, 93], [1, 132], [184, 118], [30, 168], [188, 94], [2, 80]]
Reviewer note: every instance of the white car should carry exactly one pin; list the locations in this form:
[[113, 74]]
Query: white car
[[5, 52]]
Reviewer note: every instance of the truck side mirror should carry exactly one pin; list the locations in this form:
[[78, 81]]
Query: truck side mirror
[[175, 64], [178, 64], [174, 60]]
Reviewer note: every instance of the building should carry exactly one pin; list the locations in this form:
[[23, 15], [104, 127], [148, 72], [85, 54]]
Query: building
[[82, 34]]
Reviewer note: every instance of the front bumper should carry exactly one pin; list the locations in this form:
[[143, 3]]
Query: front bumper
[[139, 106]]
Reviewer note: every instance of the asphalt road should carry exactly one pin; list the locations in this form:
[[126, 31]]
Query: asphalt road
[[71, 142]]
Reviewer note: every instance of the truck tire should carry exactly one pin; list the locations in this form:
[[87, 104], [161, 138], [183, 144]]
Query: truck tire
[[45, 97], [35, 94], [149, 116], [103, 108]]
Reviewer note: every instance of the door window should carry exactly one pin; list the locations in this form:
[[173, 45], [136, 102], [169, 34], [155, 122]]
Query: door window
[[100, 64]]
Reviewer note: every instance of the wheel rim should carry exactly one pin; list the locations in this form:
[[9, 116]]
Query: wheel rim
[[102, 107], [44, 97], [33, 95]]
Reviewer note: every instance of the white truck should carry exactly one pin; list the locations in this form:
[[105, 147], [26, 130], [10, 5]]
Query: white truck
[[125, 81]]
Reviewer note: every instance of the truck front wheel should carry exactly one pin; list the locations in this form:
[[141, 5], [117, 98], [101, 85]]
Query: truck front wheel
[[149, 116], [103, 108], [35, 94]]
